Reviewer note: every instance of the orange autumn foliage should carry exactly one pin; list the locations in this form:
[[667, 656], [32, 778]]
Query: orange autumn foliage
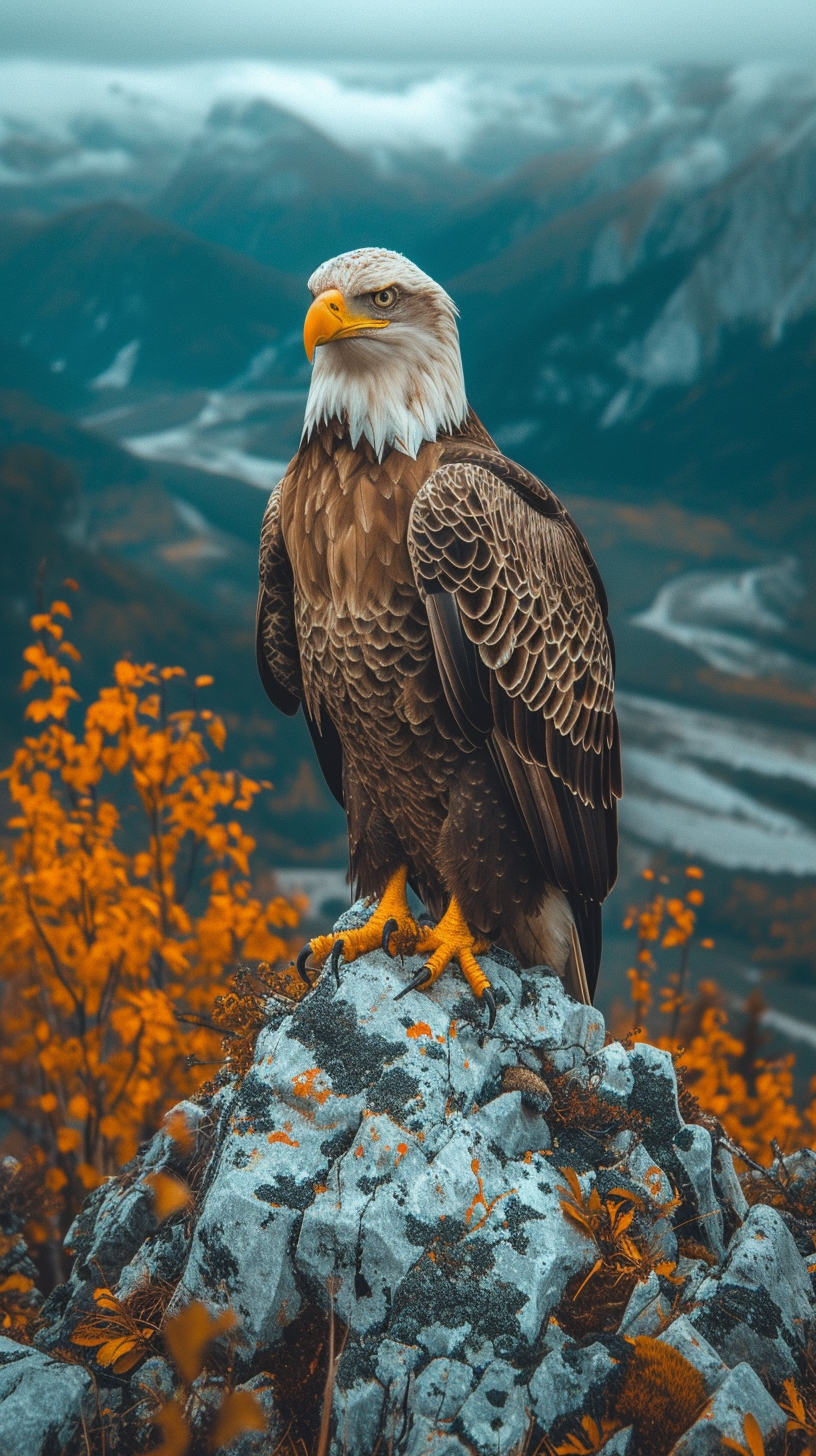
[[108, 976], [752, 1096]]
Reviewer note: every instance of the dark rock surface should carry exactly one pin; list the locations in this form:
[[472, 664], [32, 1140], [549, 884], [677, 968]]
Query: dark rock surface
[[433, 1185]]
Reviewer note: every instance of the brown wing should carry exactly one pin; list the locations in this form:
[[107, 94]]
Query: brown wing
[[519, 622], [276, 645]]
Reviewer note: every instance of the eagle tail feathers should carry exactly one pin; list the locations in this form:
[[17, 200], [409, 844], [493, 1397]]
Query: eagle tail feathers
[[549, 937]]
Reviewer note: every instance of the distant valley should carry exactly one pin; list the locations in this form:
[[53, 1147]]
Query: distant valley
[[634, 258]]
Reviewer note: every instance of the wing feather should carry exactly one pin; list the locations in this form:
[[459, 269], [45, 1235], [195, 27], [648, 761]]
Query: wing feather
[[276, 645], [518, 618]]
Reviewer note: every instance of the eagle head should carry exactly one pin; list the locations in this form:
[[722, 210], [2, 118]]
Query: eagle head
[[385, 346]]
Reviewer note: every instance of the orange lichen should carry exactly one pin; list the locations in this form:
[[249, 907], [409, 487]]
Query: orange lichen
[[283, 1137], [303, 1085], [419, 1028], [479, 1199]]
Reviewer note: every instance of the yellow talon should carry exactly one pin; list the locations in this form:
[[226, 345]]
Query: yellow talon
[[393, 923], [450, 940], [392, 911]]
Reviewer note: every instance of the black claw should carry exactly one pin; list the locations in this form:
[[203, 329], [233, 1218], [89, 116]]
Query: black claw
[[300, 963], [490, 1001], [421, 978], [388, 930], [336, 952]]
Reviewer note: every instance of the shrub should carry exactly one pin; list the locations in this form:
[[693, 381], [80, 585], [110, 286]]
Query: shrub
[[125, 896]]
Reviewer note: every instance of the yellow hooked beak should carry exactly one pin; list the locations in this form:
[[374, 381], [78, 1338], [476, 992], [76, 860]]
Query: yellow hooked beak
[[329, 318]]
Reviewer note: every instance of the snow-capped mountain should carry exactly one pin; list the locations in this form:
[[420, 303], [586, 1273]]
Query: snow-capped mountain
[[633, 252]]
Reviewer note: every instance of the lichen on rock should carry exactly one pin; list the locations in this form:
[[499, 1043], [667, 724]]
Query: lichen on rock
[[495, 1224]]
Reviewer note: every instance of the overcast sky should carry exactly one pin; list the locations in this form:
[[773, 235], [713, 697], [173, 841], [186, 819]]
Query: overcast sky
[[412, 30]]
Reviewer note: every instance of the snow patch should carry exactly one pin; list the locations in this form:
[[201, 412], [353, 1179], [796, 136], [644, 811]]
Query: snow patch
[[119, 374]]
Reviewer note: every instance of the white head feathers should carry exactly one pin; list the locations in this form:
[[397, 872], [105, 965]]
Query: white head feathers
[[397, 386]]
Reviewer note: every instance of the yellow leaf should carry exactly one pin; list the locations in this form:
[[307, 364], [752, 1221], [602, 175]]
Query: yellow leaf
[[578, 1218], [753, 1435], [69, 1139], [794, 1402], [120, 1355], [170, 1418], [18, 1283], [574, 1183], [170, 1194], [239, 1411], [204, 680], [105, 1299], [217, 732], [188, 1334], [177, 1127]]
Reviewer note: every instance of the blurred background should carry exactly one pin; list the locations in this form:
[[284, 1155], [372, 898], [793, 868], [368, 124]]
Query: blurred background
[[620, 197]]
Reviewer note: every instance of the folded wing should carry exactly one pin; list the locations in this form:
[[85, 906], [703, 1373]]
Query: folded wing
[[276, 646], [518, 617]]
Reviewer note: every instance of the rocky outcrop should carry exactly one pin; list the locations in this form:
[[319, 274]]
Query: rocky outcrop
[[502, 1233]]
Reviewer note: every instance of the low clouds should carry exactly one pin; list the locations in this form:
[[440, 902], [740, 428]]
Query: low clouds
[[395, 30]]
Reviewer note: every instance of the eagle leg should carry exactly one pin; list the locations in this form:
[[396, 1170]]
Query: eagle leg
[[450, 940], [391, 925]]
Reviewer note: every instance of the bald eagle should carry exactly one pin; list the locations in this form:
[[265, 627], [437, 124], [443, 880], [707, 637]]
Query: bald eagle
[[436, 613]]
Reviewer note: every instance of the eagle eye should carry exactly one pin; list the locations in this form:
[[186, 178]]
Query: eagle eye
[[384, 297]]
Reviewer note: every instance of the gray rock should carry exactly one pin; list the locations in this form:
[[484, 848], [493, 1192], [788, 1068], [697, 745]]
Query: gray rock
[[41, 1401], [510, 1125], [724, 1415], [376, 1156], [442, 1389], [693, 1272], [496, 1416], [648, 1177], [727, 1183], [153, 1383], [357, 1415], [682, 1151], [356, 1232], [618, 1445], [654, 1091], [610, 1074], [692, 1148], [260, 1443], [435, 1445], [688, 1341], [436, 1399], [757, 1306], [647, 1310], [160, 1257], [569, 1383]]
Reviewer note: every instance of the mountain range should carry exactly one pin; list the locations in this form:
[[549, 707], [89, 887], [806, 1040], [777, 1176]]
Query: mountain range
[[633, 253]]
